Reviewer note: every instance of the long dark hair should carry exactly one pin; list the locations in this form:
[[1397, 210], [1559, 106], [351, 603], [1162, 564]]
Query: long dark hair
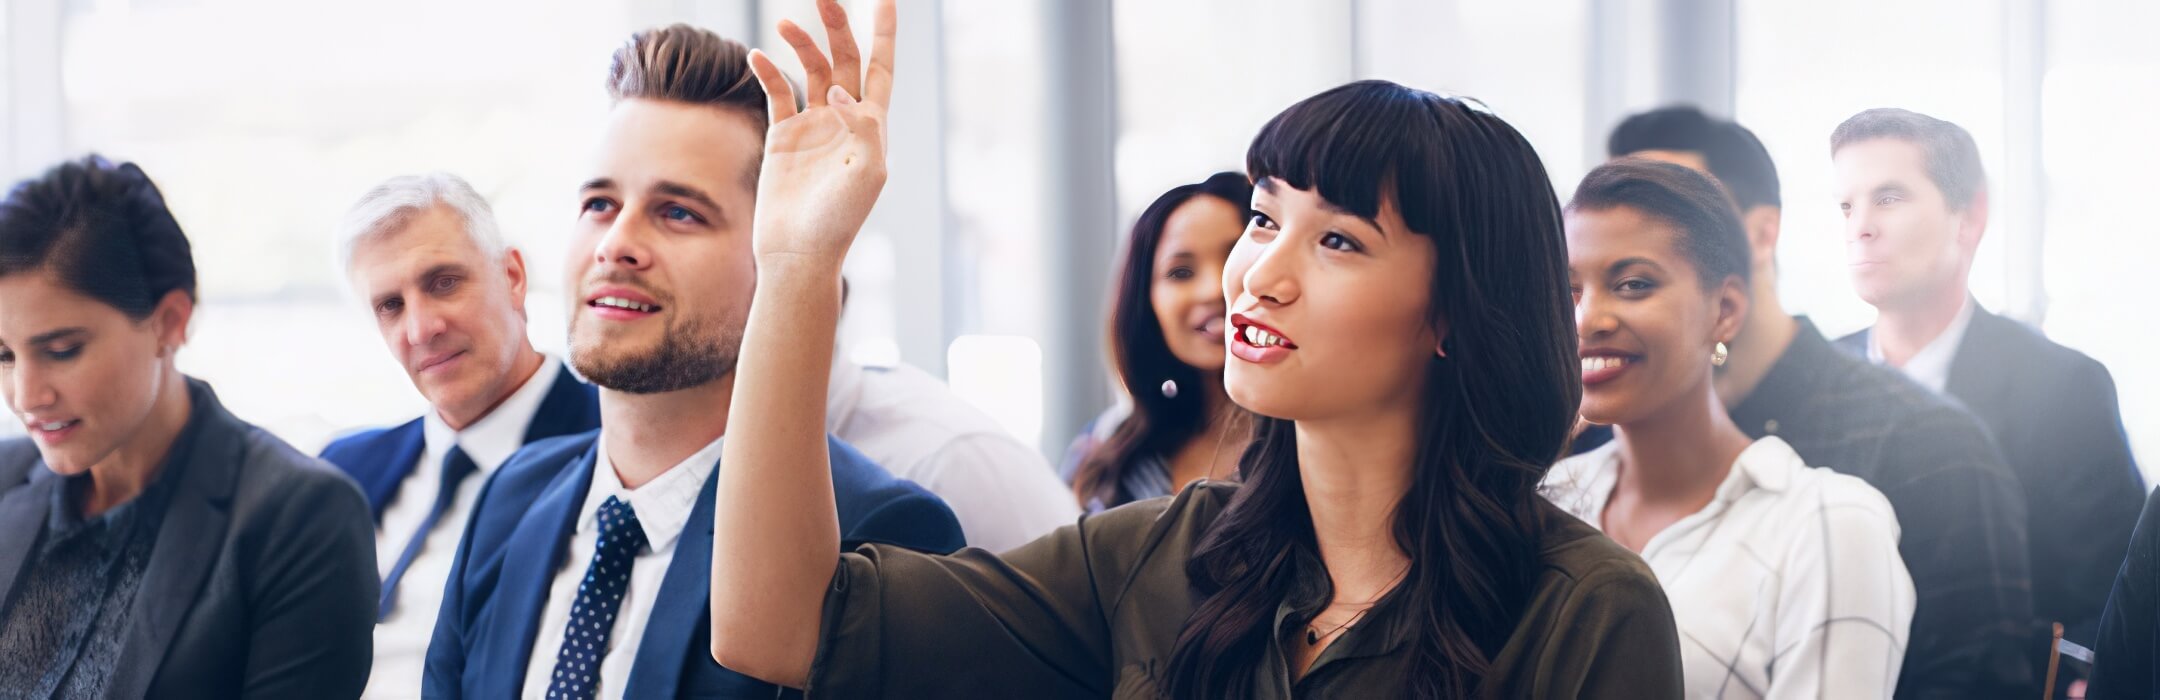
[[1158, 424], [1495, 414]]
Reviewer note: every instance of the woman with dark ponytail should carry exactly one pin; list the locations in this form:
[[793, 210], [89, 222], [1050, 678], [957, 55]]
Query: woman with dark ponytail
[[1176, 425], [151, 544], [1400, 322]]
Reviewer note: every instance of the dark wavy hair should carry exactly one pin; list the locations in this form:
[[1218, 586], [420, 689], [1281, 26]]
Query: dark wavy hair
[[98, 228], [1495, 412], [1158, 424]]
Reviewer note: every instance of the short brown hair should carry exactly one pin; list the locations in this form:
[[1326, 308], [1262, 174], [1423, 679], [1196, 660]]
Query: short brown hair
[[682, 63], [1953, 160]]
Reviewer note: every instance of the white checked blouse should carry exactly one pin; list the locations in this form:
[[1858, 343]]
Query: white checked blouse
[[1787, 585]]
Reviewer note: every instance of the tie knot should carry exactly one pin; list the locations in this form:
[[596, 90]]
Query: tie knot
[[619, 528], [457, 465]]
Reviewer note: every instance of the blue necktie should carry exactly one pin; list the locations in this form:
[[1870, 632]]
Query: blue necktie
[[599, 597], [456, 466]]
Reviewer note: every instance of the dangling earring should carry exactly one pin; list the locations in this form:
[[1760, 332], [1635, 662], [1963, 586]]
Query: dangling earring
[[1718, 355], [1169, 388]]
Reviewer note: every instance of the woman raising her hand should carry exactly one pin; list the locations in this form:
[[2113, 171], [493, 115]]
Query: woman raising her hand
[[1400, 324]]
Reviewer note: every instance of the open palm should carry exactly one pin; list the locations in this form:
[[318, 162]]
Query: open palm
[[824, 165]]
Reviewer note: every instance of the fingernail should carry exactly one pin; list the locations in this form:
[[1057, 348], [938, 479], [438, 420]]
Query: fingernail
[[839, 96]]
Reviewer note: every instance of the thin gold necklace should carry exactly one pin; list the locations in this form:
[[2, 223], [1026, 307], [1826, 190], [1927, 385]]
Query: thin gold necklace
[[1313, 635]]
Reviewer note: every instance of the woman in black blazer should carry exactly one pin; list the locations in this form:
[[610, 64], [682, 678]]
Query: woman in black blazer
[[151, 544]]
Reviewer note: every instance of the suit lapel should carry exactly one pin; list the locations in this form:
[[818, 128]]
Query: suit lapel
[[22, 520], [570, 406], [1976, 378], [188, 542], [534, 552], [405, 443], [680, 609]]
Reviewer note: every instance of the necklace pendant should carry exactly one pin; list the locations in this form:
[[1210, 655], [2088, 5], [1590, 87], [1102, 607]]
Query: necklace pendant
[[1311, 638]]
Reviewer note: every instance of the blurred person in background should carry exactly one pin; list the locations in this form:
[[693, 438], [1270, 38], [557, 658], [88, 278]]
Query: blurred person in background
[[151, 544], [1915, 199], [1961, 513], [425, 255], [1784, 578], [1176, 425]]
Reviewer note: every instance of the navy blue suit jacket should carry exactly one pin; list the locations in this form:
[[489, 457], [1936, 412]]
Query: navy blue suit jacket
[[2053, 411], [514, 545], [381, 458]]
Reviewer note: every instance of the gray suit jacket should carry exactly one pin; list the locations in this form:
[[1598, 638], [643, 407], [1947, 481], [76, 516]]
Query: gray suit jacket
[[262, 582]]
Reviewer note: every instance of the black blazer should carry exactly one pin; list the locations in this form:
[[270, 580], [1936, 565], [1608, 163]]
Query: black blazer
[[261, 584], [2053, 412]]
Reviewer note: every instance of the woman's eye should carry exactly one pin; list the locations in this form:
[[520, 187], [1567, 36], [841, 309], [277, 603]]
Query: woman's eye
[[1337, 241], [66, 353], [1182, 273], [7, 357], [1636, 285]]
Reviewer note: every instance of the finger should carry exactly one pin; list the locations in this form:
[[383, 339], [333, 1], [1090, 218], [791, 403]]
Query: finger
[[868, 123], [846, 55], [779, 96], [878, 79], [817, 74]]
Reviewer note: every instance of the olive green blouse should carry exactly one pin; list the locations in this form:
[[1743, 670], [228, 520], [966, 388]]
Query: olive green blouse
[[1093, 610]]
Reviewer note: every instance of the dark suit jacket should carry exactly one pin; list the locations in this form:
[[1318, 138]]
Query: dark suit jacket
[[2053, 412], [2126, 658], [262, 581], [380, 459], [515, 541]]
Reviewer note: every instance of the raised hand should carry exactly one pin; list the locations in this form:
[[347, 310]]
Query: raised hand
[[825, 165]]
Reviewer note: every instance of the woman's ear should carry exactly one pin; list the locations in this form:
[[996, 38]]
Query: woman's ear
[[1440, 339], [1732, 308], [171, 319]]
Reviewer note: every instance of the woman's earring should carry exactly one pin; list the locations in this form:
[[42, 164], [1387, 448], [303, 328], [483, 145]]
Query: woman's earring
[[1169, 388], [1718, 355]]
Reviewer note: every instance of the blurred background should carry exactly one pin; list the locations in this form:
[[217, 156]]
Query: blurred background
[[1026, 134]]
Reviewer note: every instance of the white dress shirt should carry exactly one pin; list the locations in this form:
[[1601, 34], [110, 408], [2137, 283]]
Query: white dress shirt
[[401, 640], [1787, 585], [663, 509], [1931, 365], [1004, 493]]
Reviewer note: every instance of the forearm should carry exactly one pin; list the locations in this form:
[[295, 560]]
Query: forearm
[[775, 534]]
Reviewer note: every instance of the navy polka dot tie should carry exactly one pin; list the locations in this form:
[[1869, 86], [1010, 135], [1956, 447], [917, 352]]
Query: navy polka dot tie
[[599, 597]]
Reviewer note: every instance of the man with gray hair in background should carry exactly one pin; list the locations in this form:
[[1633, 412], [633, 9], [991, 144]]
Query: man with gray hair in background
[[448, 295]]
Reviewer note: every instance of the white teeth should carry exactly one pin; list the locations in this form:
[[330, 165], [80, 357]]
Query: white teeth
[[1261, 339], [49, 427], [621, 303], [1593, 364]]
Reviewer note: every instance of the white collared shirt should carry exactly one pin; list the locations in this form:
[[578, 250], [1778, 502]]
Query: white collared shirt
[[1931, 365], [1787, 585], [401, 640], [663, 508], [1004, 493]]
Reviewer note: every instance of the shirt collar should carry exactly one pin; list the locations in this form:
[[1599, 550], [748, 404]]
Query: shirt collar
[[662, 505], [1931, 365], [491, 440], [1586, 482]]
